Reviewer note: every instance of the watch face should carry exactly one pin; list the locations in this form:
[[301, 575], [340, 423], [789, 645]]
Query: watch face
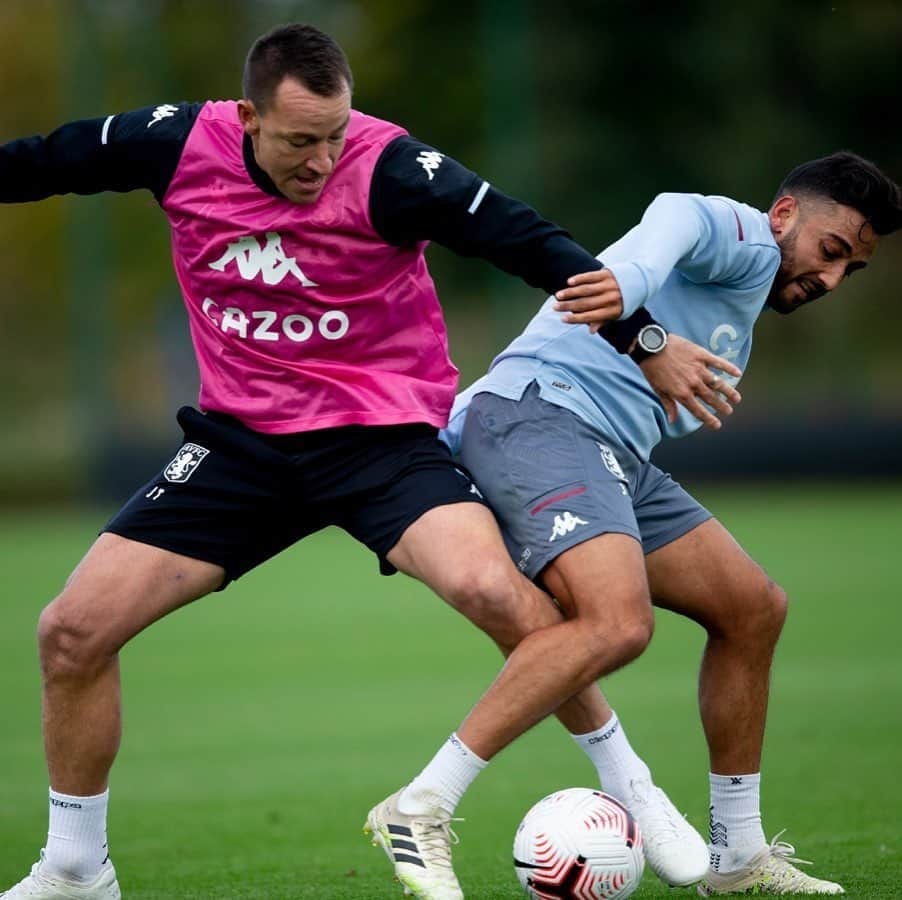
[[652, 338]]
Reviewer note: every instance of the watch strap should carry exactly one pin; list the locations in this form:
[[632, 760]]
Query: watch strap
[[622, 332]]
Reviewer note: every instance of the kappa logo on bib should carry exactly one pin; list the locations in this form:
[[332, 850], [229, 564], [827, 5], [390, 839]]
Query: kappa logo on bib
[[186, 461], [269, 260]]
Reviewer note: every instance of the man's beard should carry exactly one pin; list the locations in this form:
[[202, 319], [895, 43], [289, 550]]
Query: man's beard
[[784, 277]]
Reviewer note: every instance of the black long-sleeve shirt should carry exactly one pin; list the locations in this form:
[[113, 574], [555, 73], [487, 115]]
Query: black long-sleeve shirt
[[141, 150]]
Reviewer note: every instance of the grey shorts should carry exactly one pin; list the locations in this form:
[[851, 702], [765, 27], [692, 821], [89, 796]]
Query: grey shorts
[[554, 481]]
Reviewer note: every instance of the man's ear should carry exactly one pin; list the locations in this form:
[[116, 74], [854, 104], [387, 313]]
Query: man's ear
[[247, 113], [783, 214]]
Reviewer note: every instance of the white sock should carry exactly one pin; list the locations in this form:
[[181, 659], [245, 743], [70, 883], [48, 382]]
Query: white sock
[[76, 839], [735, 834], [443, 782], [617, 763]]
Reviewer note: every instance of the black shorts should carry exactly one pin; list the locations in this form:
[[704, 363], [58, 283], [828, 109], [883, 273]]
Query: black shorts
[[236, 497]]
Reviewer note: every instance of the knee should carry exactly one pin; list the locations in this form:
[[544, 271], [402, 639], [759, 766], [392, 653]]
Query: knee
[[502, 602], [628, 637], [765, 611], [773, 605], [758, 615], [640, 632], [69, 647]]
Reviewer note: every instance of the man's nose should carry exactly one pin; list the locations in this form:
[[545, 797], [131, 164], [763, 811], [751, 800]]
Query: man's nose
[[321, 162], [830, 278]]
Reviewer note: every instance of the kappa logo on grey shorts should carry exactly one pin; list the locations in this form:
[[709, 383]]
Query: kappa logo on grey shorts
[[564, 524], [185, 462]]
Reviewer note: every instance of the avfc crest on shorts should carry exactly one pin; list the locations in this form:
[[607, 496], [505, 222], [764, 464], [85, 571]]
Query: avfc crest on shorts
[[610, 462], [185, 462]]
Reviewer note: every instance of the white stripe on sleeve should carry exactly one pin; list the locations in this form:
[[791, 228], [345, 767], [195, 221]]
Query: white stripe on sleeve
[[106, 129], [478, 198]]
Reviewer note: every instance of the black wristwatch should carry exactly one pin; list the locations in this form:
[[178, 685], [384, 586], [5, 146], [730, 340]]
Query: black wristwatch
[[650, 340]]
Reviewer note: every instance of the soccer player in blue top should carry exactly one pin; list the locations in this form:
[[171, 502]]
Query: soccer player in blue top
[[558, 437]]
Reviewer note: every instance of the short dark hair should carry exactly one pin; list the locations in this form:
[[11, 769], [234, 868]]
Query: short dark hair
[[851, 180], [295, 51]]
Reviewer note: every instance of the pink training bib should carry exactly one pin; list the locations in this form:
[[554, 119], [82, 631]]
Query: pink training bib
[[303, 317]]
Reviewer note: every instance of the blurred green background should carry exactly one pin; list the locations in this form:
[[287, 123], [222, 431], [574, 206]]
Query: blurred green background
[[585, 109]]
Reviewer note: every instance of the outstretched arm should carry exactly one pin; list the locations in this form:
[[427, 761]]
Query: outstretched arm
[[124, 152], [419, 194]]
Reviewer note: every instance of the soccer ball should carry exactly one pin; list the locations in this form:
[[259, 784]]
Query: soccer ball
[[578, 844]]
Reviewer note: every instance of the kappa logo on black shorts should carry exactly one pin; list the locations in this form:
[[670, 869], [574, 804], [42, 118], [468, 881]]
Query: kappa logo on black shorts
[[185, 462]]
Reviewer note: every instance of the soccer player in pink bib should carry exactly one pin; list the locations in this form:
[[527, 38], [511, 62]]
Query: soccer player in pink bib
[[298, 234]]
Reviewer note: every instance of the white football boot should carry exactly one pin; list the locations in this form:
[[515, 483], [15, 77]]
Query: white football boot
[[41, 885], [674, 850], [419, 848], [769, 872]]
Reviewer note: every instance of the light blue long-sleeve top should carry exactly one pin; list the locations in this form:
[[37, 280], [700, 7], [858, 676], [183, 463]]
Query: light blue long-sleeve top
[[703, 266]]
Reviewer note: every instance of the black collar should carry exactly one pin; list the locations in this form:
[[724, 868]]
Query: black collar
[[258, 176]]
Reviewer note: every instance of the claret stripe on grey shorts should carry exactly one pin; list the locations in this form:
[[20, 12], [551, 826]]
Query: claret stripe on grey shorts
[[555, 481]]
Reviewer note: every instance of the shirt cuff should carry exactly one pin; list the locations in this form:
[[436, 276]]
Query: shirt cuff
[[632, 284]]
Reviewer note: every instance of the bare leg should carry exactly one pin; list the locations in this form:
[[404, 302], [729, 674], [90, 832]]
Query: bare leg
[[458, 551], [600, 585], [584, 712], [708, 577], [118, 589]]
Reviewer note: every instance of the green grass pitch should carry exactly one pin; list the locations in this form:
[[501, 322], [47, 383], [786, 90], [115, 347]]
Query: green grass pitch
[[262, 723]]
